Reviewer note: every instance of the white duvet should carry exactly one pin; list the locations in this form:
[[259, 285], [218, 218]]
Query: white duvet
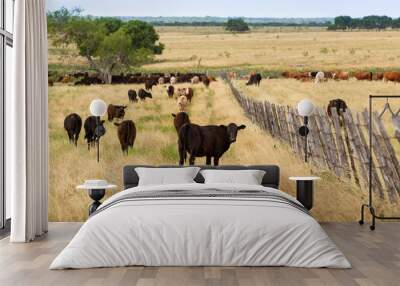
[[200, 232]]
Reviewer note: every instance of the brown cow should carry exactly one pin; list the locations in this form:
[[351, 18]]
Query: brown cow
[[391, 76], [126, 135], [339, 104], [363, 75], [115, 111], [188, 92], [340, 75], [180, 119], [378, 76]]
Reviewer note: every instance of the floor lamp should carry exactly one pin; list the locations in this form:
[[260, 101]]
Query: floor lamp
[[98, 108], [305, 109]]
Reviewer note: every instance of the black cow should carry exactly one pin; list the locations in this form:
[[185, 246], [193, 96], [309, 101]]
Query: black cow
[[73, 125], [339, 104], [126, 135], [116, 111], [148, 85], [144, 94], [206, 141], [132, 95], [255, 79], [92, 132], [171, 91], [180, 119]]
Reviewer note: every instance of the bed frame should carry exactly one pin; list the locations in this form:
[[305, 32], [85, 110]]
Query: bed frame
[[270, 179]]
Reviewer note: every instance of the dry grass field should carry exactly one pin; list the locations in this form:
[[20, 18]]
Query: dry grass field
[[265, 48], [156, 144], [270, 49], [278, 49], [354, 93]]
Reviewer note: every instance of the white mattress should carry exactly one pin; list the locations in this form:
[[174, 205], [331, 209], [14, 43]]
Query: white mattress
[[200, 232]]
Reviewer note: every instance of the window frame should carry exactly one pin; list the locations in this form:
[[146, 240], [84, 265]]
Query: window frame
[[6, 39]]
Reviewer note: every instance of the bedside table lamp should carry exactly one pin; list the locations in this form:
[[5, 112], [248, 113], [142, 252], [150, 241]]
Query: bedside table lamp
[[98, 108], [306, 109]]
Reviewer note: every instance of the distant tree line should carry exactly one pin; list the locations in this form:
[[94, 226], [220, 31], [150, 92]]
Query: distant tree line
[[368, 22], [222, 24]]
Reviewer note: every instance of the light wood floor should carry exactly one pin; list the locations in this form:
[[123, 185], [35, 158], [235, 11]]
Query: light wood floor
[[375, 257]]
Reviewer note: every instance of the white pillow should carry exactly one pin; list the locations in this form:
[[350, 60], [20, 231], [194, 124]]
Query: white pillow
[[166, 176], [247, 177]]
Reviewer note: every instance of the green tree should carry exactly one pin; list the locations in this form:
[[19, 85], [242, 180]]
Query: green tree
[[110, 45], [237, 25], [343, 22]]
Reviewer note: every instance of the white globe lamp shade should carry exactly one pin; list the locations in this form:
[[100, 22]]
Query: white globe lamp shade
[[305, 108], [98, 107]]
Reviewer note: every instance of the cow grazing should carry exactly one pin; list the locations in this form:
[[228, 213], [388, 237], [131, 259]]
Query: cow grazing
[[90, 130], [206, 141], [340, 106], [132, 95], [255, 79], [180, 119], [195, 80], [116, 111], [391, 76], [363, 75], [170, 91], [73, 126], [188, 92], [206, 81], [378, 76], [126, 135], [340, 75], [319, 77], [182, 102], [148, 85], [144, 94]]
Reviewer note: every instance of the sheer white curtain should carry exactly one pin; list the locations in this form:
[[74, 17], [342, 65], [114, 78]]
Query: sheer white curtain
[[26, 124]]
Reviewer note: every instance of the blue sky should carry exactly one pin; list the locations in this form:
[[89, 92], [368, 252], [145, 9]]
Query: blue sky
[[247, 8]]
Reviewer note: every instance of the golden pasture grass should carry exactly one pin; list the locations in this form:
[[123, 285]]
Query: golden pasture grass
[[354, 93], [156, 143], [264, 48], [277, 49]]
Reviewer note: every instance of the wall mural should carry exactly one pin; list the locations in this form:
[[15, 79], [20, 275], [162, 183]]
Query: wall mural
[[246, 85]]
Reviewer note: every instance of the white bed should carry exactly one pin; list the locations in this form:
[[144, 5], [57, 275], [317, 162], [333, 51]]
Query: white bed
[[206, 230]]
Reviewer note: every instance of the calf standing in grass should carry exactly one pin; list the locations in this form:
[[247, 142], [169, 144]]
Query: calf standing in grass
[[182, 103], [206, 141], [126, 135], [144, 94], [170, 91], [115, 111], [73, 125], [132, 95], [180, 119]]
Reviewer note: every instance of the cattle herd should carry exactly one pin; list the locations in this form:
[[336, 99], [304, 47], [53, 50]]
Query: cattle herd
[[320, 76], [149, 80], [198, 141]]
